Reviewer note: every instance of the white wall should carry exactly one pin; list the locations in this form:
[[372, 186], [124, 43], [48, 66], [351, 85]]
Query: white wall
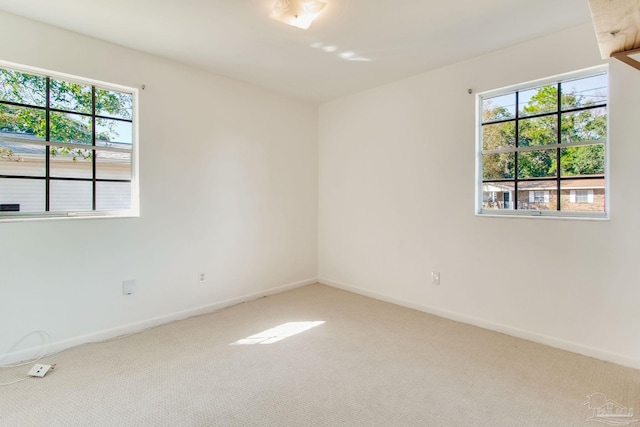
[[229, 181], [228, 177], [396, 202]]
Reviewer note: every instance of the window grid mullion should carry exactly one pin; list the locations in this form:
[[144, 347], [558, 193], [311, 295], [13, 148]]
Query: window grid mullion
[[535, 116], [94, 152], [558, 149], [541, 147], [47, 166], [60, 178], [60, 110], [43, 143], [516, 155]]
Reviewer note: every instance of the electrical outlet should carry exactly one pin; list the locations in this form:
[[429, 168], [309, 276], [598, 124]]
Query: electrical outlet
[[201, 278], [39, 370], [435, 277]]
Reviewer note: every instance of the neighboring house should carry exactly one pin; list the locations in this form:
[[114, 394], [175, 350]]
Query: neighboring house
[[585, 194], [28, 160]]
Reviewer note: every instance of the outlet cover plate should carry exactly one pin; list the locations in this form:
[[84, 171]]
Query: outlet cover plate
[[435, 277], [39, 370]]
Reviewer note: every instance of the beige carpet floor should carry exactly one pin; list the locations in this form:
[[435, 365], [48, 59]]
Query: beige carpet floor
[[369, 364]]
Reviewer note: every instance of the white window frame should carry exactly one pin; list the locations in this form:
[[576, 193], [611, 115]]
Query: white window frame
[[134, 210], [551, 214]]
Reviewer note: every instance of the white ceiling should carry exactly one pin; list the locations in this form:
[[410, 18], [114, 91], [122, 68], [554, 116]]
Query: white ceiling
[[236, 38]]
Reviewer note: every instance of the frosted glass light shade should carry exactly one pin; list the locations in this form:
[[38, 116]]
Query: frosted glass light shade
[[298, 13]]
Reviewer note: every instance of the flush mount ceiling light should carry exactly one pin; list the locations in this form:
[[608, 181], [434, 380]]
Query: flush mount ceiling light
[[298, 13]]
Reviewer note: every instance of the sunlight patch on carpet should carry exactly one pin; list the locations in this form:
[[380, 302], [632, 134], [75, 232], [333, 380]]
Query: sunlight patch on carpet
[[278, 333]]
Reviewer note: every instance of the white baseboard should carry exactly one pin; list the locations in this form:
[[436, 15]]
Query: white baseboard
[[106, 334], [573, 347]]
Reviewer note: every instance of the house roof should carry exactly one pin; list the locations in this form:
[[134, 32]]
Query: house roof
[[569, 184]]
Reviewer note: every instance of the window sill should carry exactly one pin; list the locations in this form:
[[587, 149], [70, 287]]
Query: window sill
[[15, 217], [589, 216]]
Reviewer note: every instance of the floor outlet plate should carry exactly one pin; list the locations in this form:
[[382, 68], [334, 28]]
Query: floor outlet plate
[[39, 370]]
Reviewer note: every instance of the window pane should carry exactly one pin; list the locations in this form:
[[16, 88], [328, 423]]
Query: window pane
[[499, 107], [114, 104], [70, 196], [22, 122], [498, 195], [537, 101], [537, 164], [498, 135], [584, 92], [582, 160], [538, 195], [113, 165], [28, 193], [22, 159], [71, 163], [114, 133], [538, 131], [70, 96], [584, 125], [573, 191], [113, 195], [498, 166], [71, 128], [23, 88]]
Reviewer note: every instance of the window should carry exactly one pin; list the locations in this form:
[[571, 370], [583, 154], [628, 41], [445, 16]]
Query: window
[[539, 196], [582, 196], [67, 146], [542, 147]]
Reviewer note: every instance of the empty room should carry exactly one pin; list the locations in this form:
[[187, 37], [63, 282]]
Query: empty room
[[319, 213]]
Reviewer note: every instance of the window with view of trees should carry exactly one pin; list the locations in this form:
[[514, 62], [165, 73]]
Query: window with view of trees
[[542, 148], [66, 147]]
